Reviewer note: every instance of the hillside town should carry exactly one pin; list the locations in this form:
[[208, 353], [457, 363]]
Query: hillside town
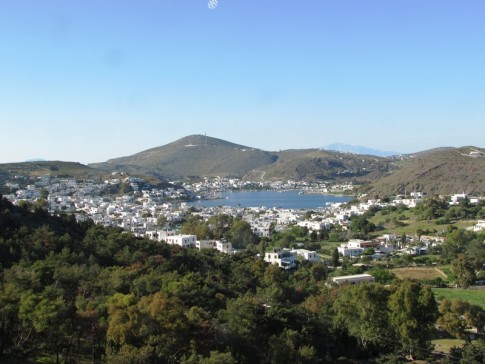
[[156, 213]]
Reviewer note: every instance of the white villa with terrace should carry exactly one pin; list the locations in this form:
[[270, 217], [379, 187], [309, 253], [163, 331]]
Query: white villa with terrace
[[182, 240], [221, 245], [284, 258]]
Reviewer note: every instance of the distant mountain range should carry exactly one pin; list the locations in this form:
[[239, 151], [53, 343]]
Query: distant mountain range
[[358, 149], [199, 156], [440, 171]]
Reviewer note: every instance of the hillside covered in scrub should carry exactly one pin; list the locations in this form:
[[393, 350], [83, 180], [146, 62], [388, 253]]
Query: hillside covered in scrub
[[80, 292]]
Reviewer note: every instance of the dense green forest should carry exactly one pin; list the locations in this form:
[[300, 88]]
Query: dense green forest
[[76, 293]]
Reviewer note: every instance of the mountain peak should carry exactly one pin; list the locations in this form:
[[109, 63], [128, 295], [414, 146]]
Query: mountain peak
[[358, 149], [197, 140]]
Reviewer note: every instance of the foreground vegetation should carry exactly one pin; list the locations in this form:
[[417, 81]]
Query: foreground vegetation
[[73, 292]]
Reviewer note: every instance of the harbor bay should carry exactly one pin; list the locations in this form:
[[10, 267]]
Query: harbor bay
[[292, 199]]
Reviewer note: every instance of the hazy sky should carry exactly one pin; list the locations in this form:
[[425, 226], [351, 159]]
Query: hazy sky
[[89, 80]]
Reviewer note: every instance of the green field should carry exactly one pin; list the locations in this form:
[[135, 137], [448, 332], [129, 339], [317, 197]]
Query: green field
[[445, 345], [448, 270], [418, 273], [474, 296], [411, 224]]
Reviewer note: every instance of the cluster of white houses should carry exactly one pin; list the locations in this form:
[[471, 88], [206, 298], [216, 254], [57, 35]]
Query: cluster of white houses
[[284, 258], [354, 248], [190, 241]]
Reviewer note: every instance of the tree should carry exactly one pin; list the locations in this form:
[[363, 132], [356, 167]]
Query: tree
[[431, 208], [335, 258], [162, 221], [242, 327], [48, 314], [215, 357], [451, 318], [240, 234], [323, 233], [413, 314], [464, 271], [219, 225], [149, 330], [369, 251], [473, 353], [456, 242], [314, 235], [456, 315], [362, 311], [195, 226], [360, 227], [9, 302], [382, 275], [43, 193], [475, 252]]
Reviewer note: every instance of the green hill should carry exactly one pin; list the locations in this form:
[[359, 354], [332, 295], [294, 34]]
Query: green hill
[[62, 169], [200, 156], [437, 171], [39, 168], [193, 156], [315, 164]]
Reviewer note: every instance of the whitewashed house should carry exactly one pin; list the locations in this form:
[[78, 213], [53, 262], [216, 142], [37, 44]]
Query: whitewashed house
[[306, 254], [311, 225], [205, 244], [224, 247], [182, 240], [159, 235], [221, 245], [350, 252], [284, 258], [456, 198], [479, 226]]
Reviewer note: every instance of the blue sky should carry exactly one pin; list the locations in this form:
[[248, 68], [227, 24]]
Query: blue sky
[[89, 80]]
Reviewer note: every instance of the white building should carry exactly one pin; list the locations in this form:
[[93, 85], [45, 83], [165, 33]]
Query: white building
[[479, 226], [205, 244], [311, 225], [224, 247], [350, 252], [456, 198], [355, 247], [354, 279], [306, 254], [283, 258], [220, 245], [418, 194], [182, 240], [159, 235]]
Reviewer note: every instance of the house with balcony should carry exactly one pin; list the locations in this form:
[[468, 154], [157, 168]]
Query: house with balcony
[[221, 245], [284, 258]]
